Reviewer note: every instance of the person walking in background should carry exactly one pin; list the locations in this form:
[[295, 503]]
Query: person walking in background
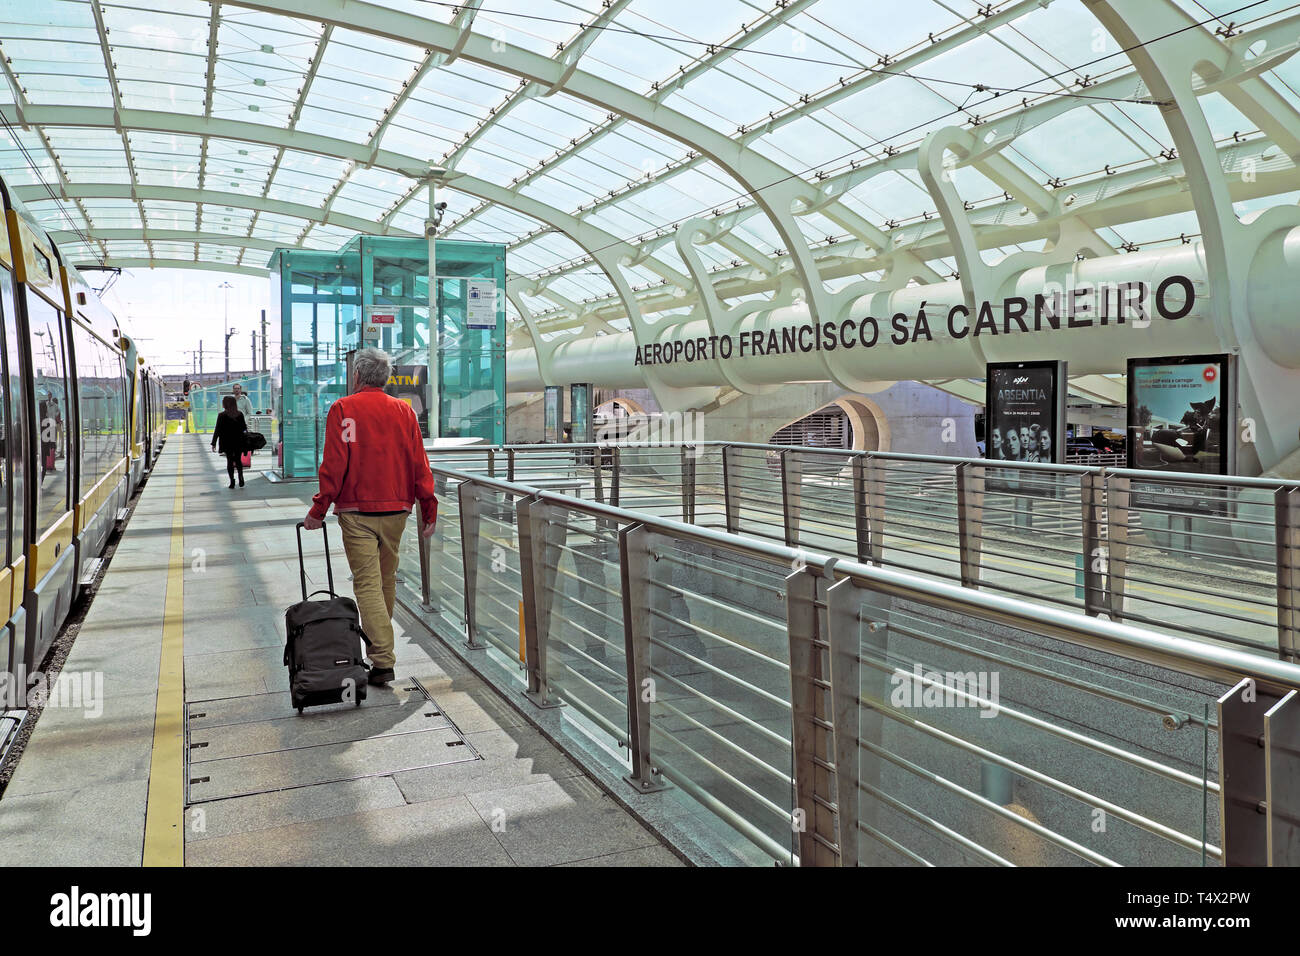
[[374, 468], [51, 420], [242, 400], [229, 434]]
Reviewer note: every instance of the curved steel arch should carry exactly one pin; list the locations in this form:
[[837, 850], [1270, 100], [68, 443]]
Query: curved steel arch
[[605, 249], [112, 263], [167, 235], [206, 197], [774, 188]]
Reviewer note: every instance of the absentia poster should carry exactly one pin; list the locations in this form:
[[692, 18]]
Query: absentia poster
[[1023, 414]]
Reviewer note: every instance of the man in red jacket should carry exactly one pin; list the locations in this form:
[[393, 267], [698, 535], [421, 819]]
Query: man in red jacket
[[373, 469]]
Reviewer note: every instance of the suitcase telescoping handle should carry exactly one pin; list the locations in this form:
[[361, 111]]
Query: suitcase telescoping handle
[[302, 568]]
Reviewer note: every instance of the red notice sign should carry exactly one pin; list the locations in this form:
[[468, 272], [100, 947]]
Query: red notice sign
[[383, 318]]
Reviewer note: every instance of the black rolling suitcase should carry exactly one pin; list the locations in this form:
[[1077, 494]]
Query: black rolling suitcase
[[323, 645]]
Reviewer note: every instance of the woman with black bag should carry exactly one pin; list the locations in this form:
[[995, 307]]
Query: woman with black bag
[[229, 433]]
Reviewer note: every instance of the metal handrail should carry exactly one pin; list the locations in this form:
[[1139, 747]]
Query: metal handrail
[[1236, 481], [849, 598], [1195, 658], [960, 498]]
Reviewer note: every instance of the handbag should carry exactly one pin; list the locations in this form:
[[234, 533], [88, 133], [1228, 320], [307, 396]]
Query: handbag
[[254, 441]]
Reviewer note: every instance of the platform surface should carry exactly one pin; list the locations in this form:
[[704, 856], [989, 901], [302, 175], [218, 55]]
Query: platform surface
[[172, 740]]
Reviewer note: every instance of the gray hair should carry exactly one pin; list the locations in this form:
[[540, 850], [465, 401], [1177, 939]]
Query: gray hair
[[372, 367]]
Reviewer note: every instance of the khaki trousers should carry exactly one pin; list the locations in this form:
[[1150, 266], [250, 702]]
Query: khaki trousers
[[372, 543]]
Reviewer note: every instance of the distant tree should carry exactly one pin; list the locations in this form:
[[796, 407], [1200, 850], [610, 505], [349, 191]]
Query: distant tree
[[1144, 416]]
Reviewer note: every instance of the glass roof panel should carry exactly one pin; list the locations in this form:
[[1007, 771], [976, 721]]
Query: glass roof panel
[[344, 90]]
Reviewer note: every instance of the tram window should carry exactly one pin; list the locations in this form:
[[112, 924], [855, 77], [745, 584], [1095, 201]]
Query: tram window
[[121, 417], [51, 383], [15, 422], [99, 402]]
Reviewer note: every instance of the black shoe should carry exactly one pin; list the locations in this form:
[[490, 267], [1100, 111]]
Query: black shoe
[[381, 676], [232, 482], [241, 482]]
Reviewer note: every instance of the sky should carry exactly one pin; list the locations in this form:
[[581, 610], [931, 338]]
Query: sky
[[169, 311]]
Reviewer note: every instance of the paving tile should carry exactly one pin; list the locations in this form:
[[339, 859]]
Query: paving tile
[[559, 821], [312, 728], [646, 856], [266, 706], [438, 833], [75, 750], [515, 756], [100, 825], [266, 811], [326, 763]]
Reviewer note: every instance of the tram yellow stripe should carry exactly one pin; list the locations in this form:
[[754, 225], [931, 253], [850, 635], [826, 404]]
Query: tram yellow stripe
[[164, 830]]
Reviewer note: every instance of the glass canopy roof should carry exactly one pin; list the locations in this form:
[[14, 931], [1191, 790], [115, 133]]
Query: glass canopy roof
[[584, 132]]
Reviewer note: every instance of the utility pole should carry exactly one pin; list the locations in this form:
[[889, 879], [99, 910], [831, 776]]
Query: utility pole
[[200, 358], [227, 287], [265, 367], [254, 352], [435, 176], [229, 333]]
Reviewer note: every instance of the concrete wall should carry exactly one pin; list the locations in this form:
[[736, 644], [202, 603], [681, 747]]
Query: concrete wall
[[525, 424], [908, 417]]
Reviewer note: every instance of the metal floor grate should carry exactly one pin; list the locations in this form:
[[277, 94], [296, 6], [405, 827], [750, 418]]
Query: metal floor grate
[[11, 721], [242, 746]]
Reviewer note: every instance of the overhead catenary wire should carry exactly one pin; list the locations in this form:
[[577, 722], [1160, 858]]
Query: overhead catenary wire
[[818, 167], [733, 48], [974, 89], [40, 178]]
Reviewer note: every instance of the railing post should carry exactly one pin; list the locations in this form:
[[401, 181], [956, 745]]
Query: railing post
[[598, 474], [616, 465], [1286, 513], [689, 456], [1118, 489], [730, 490], [492, 463], [1282, 780], [538, 554], [422, 545], [1094, 582], [970, 520], [843, 635], [822, 626], [469, 500], [812, 733], [791, 495], [861, 521], [874, 481], [1243, 772], [510, 464], [634, 572]]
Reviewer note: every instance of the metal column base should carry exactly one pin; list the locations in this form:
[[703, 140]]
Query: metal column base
[[653, 785], [540, 701]]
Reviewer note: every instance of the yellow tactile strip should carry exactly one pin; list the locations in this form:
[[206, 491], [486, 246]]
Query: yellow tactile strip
[[164, 835]]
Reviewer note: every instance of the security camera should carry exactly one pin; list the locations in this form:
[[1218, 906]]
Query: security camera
[[440, 206]]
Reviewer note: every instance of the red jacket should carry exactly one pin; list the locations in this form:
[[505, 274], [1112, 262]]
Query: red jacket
[[374, 458]]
